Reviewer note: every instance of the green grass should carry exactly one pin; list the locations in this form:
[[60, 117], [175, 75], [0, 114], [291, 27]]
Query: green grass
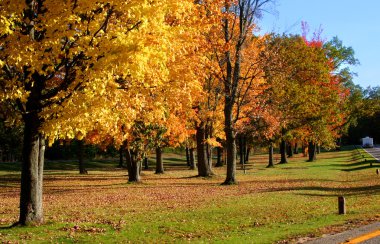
[[267, 206]]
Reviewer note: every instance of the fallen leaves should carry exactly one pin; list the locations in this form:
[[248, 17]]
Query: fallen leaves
[[101, 204], [77, 228]]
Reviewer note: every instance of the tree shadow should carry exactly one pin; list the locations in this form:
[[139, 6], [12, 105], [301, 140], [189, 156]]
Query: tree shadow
[[330, 191], [368, 164], [7, 227], [352, 191]]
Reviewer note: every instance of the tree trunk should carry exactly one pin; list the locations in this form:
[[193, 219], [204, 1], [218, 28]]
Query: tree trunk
[[146, 164], [312, 152], [31, 209], [305, 149], [296, 148], [192, 158], [188, 157], [204, 169], [230, 147], [318, 149], [283, 152], [133, 166], [270, 164], [241, 150], [247, 154], [219, 157], [209, 156], [290, 151], [243, 153], [121, 163], [209, 148], [159, 162], [82, 169]]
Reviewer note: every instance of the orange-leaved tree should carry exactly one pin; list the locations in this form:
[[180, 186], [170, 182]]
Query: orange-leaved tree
[[231, 36]]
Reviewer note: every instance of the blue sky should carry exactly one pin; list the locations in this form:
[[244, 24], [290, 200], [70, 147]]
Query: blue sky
[[356, 23]]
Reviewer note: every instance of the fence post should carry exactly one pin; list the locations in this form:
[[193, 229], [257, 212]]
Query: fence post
[[342, 205]]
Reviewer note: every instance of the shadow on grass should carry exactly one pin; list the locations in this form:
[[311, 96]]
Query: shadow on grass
[[63, 165], [367, 165], [362, 165], [175, 159], [330, 191], [352, 191], [73, 165], [6, 228]]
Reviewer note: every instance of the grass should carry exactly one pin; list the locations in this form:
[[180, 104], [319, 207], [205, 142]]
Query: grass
[[267, 206]]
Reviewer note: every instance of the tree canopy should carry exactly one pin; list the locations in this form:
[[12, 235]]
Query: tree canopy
[[141, 75]]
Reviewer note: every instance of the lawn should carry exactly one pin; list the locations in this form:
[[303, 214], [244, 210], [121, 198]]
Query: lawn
[[267, 206]]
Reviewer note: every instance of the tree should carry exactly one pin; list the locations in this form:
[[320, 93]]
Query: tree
[[43, 57], [237, 25], [57, 62], [290, 68], [341, 58], [365, 114]]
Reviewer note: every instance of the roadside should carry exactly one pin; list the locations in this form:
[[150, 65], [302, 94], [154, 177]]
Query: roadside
[[361, 232], [365, 234], [375, 152]]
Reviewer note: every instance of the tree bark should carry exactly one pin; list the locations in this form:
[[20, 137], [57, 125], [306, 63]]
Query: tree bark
[[133, 166], [312, 152], [219, 157], [204, 169], [192, 158], [82, 169], [209, 156], [290, 151], [270, 163], [230, 146], [283, 152], [31, 209], [159, 161]]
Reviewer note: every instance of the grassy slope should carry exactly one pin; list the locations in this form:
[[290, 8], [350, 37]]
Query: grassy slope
[[267, 206]]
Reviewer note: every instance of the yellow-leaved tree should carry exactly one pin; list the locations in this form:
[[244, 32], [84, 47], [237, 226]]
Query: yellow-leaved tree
[[59, 64]]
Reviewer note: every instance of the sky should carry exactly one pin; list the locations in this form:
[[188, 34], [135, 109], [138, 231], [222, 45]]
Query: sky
[[355, 23]]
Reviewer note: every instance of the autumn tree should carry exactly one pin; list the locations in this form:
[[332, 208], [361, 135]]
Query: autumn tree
[[45, 53], [287, 61], [335, 98], [58, 62], [236, 29], [151, 112], [341, 59]]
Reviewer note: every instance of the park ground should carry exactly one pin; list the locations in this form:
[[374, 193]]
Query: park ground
[[288, 203]]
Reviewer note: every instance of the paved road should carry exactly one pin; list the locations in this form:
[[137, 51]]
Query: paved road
[[375, 152], [368, 234]]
